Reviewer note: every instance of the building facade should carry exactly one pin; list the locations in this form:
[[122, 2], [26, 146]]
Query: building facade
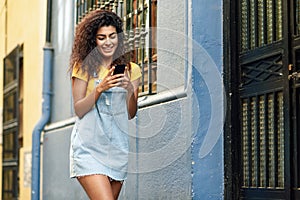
[[22, 38], [218, 106]]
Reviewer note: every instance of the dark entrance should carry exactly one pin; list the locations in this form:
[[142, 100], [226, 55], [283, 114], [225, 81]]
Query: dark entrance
[[262, 152]]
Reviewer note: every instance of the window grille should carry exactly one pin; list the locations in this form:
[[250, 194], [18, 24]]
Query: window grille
[[262, 126], [263, 141], [261, 23], [139, 17]]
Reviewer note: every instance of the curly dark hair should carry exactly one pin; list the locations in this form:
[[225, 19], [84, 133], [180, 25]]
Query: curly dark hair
[[84, 45]]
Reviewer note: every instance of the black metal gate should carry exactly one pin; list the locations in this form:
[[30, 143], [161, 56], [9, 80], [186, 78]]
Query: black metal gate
[[267, 88]]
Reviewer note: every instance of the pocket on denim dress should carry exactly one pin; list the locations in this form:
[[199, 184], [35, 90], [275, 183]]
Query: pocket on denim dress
[[119, 109]]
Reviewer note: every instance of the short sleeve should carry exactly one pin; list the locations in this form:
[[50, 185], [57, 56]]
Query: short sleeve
[[78, 73], [135, 71]]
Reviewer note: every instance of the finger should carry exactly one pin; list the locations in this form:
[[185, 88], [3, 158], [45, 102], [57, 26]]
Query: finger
[[111, 71], [126, 71], [114, 80], [126, 78], [108, 78], [117, 76]]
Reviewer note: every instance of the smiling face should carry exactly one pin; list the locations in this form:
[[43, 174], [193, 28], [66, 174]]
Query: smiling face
[[107, 41]]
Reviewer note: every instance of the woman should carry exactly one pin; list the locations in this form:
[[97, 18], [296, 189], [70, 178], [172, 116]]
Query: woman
[[103, 102]]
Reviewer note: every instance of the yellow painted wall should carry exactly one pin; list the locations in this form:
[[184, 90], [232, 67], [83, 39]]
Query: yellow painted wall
[[24, 23]]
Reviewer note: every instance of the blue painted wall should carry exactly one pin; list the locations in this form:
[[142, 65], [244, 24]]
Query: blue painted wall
[[208, 109]]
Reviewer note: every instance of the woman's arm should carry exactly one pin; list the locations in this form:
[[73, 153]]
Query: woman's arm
[[132, 98], [82, 103]]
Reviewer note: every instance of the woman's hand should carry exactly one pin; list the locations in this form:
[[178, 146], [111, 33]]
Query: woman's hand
[[132, 95], [126, 83], [110, 81]]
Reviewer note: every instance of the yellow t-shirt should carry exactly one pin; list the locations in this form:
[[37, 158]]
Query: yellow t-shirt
[[134, 75]]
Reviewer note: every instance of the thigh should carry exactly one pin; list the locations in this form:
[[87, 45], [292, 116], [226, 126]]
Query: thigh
[[116, 188], [97, 187]]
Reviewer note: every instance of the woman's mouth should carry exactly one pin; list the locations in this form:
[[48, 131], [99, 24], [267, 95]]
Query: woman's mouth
[[107, 50]]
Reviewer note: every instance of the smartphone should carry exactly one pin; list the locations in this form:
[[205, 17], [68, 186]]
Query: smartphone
[[119, 69]]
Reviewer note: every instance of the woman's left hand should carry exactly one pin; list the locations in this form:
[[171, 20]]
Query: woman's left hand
[[132, 95], [126, 83]]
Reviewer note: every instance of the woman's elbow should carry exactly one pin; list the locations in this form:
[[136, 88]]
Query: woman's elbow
[[131, 115], [79, 114]]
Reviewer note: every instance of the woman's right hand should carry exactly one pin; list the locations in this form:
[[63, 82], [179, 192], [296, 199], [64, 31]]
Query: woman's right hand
[[83, 103], [110, 81]]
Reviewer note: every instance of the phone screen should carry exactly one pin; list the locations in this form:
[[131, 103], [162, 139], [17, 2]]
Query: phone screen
[[119, 69]]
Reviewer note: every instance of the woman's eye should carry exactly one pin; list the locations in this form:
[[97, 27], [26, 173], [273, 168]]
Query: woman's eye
[[100, 38]]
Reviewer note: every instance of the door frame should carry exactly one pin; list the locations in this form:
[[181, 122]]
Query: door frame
[[231, 126]]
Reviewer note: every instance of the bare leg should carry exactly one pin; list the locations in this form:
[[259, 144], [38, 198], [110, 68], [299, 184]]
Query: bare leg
[[116, 188], [97, 187]]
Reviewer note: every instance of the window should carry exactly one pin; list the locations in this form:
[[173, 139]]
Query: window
[[12, 137], [139, 17]]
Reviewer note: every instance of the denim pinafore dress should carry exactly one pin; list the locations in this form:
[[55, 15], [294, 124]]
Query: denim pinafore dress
[[99, 140]]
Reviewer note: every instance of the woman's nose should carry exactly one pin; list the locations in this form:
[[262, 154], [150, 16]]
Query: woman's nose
[[107, 41]]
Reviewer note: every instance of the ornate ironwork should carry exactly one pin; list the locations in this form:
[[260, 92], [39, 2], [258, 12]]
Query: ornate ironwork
[[262, 70]]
